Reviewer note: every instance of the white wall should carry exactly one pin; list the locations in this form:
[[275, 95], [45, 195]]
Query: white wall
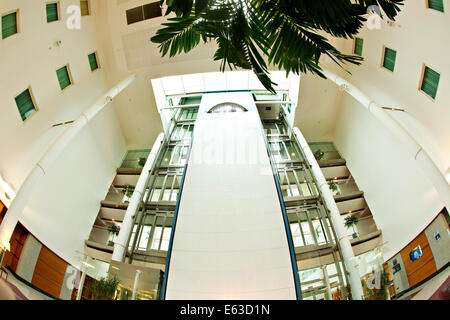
[[62, 210], [398, 193]]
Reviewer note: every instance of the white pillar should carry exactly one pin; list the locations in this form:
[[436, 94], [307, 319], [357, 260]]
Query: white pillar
[[81, 284], [136, 283], [44, 164], [326, 279], [133, 206], [338, 223], [438, 179]]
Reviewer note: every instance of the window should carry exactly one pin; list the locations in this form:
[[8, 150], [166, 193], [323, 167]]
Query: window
[[85, 8], [93, 61], [64, 77], [358, 46], [9, 25], [148, 11], [25, 104], [52, 12], [430, 82], [389, 59], [227, 107], [436, 5]]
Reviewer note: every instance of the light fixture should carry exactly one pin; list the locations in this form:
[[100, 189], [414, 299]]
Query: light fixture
[[6, 245], [88, 265]]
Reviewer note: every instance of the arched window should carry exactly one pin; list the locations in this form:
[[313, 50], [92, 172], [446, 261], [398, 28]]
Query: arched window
[[227, 107]]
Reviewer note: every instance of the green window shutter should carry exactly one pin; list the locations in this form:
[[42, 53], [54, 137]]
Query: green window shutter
[[25, 104], [63, 77], [430, 82], [52, 12], [358, 46], [436, 5], [9, 25], [93, 61], [389, 59]]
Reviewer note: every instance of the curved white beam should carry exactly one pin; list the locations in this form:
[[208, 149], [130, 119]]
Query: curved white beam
[[43, 165], [437, 178], [133, 206]]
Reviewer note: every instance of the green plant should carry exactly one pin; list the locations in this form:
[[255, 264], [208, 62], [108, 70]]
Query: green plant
[[351, 221], [252, 34], [141, 161], [105, 288], [382, 292], [128, 190], [333, 186], [319, 154], [114, 229]]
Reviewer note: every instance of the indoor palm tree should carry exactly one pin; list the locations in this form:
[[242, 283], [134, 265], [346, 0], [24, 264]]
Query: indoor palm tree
[[250, 34]]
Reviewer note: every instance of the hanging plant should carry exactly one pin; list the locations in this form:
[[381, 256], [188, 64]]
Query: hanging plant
[[351, 221], [141, 161], [333, 186], [128, 190], [319, 154], [114, 229]]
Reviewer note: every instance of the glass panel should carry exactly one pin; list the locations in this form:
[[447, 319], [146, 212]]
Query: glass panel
[[296, 235], [156, 238], [320, 234], [165, 239], [307, 233], [145, 237]]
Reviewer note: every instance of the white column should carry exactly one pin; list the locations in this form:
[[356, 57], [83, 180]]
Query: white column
[[133, 206], [440, 180], [44, 164], [338, 223], [326, 279], [136, 283], [81, 284]]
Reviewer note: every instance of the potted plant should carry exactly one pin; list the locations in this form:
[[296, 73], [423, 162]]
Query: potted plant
[[128, 192], [141, 161], [381, 293], [350, 222], [105, 288], [114, 231], [319, 154]]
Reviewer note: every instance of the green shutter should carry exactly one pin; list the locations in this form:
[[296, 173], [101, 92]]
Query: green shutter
[[63, 77], [25, 104], [93, 61], [436, 5], [358, 46], [9, 25], [430, 82], [389, 59], [52, 12]]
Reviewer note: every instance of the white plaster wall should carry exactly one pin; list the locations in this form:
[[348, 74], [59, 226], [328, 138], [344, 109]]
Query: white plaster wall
[[397, 191], [63, 208], [400, 197], [230, 240]]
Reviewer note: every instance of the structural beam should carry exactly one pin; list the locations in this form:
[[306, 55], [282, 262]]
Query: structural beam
[[39, 171], [440, 180], [338, 223], [120, 247]]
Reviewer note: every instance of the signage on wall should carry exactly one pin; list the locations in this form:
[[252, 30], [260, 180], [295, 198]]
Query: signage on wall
[[415, 254], [437, 235]]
